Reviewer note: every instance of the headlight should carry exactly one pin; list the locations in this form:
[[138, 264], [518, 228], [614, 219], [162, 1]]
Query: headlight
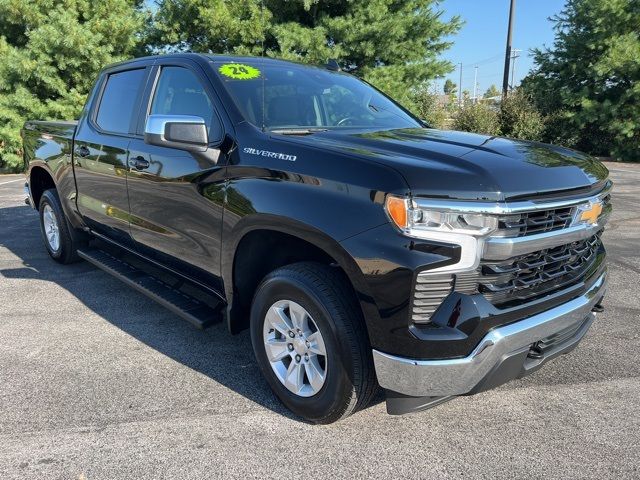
[[466, 229], [415, 220]]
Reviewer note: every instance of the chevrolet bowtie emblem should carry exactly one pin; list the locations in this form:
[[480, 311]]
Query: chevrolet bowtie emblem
[[591, 214]]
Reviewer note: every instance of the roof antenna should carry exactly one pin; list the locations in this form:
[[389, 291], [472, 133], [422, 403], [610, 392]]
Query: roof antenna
[[263, 64], [332, 64]]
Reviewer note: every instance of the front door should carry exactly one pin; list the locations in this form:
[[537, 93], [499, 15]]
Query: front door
[[176, 197], [100, 153]]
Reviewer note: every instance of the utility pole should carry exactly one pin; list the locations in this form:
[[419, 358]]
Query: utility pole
[[516, 54], [475, 85], [460, 87], [507, 57]]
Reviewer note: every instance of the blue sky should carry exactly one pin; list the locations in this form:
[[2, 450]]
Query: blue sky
[[482, 39]]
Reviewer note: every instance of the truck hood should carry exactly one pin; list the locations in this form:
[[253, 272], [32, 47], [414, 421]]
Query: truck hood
[[468, 166]]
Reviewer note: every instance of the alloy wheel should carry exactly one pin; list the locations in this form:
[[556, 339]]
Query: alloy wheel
[[51, 230], [295, 348]]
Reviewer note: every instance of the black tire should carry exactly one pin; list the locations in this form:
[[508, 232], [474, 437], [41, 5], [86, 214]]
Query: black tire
[[69, 240], [324, 292]]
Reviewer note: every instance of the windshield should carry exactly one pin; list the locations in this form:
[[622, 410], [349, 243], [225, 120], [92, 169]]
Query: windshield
[[298, 97]]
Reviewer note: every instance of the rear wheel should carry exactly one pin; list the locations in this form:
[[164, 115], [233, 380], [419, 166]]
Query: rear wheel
[[310, 343], [61, 242]]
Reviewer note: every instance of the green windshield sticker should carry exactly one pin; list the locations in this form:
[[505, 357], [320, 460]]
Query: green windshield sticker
[[239, 71]]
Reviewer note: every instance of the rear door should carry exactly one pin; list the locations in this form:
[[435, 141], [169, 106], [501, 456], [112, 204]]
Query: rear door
[[177, 200], [100, 152]]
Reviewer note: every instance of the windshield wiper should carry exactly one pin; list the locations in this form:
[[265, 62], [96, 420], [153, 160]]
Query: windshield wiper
[[298, 131]]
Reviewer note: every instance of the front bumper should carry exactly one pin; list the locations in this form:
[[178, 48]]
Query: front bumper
[[27, 193], [502, 355]]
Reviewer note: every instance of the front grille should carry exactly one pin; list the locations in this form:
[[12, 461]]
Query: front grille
[[527, 277], [540, 221], [532, 275]]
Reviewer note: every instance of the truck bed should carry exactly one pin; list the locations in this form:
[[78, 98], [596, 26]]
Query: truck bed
[[62, 128], [46, 141]]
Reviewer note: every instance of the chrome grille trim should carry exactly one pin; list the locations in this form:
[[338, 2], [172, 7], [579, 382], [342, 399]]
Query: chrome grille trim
[[545, 220], [502, 248], [510, 207]]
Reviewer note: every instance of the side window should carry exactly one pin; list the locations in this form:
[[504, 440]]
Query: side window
[[179, 92], [118, 102]]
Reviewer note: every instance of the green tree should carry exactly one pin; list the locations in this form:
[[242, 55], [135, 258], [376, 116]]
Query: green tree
[[519, 118], [450, 87], [491, 92], [588, 83], [209, 26], [394, 44], [50, 53], [477, 118], [426, 106]]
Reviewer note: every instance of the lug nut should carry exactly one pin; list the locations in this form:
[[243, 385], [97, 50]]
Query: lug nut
[[297, 358], [290, 346], [307, 344], [306, 357], [291, 334]]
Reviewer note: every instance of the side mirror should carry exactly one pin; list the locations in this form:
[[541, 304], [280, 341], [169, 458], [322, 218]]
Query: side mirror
[[184, 132]]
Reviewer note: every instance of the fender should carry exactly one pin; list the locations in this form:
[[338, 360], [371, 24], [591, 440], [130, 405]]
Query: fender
[[318, 198], [49, 146], [304, 232]]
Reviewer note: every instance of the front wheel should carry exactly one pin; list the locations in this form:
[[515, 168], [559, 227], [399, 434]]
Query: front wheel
[[310, 342]]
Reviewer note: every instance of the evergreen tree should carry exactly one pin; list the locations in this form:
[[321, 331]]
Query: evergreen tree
[[394, 44], [450, 87], [491, 92], [588, 83], [209, 26], [50, 54]]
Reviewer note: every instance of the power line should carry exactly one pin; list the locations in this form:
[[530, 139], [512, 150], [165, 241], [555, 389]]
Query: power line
[[486, 61], [493, 59]]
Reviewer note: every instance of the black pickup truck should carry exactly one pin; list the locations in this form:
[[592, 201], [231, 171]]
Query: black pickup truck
[[360, 247]]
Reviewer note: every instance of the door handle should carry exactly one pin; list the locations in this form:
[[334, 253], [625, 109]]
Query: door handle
[[139, 163], [83, 151]]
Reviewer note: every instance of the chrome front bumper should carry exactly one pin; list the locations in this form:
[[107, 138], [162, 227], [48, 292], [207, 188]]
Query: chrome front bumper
[[27, 192], [501, 355]]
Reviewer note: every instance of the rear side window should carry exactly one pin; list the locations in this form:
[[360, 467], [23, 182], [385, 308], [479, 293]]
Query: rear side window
[[116, 110], [179, 92]]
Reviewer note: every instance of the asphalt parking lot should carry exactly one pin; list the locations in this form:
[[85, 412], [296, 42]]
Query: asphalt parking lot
[[98, 382]]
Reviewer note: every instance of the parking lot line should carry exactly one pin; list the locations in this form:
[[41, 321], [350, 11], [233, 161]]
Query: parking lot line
[[11, 181]]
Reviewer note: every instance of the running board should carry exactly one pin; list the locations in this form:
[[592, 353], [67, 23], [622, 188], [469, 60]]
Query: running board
[[199, 313]]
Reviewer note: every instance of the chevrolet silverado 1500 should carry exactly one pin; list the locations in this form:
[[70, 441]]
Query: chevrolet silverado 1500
[[360, 247]]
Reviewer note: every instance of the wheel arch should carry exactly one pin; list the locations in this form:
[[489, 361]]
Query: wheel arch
[[262, 245], [40, 179]]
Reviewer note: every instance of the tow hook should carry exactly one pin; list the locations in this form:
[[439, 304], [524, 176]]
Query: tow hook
[[535, 352], [597, 308]]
